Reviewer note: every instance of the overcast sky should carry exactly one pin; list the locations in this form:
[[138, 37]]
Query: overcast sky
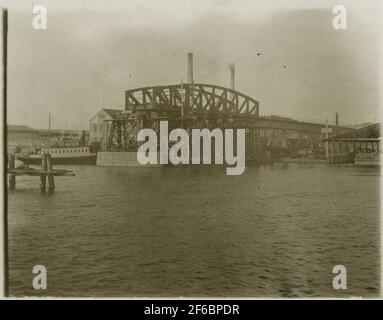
[[287, 56]]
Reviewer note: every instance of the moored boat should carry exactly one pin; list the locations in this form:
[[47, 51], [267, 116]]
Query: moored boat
[[66, 155]]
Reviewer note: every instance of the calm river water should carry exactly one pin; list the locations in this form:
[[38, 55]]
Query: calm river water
[[275, 231]]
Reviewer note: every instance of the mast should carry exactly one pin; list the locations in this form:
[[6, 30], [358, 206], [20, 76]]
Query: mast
[[49, 125]]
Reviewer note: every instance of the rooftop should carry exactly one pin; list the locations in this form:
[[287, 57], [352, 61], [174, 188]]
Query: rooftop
[[371, 131], [19, 128], [114, 113]]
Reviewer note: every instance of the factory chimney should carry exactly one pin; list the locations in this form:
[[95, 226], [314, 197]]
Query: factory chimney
[[232, 77], [190, 67]]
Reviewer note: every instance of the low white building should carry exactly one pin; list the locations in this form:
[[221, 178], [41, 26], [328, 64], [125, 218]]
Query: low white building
[[21, 137], [100, 124]]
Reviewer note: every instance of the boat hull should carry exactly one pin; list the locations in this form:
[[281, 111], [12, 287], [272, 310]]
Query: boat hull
[[91, 159]]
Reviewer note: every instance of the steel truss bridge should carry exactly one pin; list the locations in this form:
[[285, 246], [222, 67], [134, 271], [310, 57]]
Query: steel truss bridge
[[187, 106], [197, 105]]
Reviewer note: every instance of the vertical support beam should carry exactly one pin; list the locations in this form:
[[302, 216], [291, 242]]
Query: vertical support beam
[[213, 99], [171, 96], [111, 133], [154, 99], [51, 181], [254, 140], [126, 100], [4, 275], [186, 104], [119, 137], [11, 178], [43, 176]]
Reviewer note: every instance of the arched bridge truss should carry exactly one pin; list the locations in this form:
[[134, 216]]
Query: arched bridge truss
[[186, 106]]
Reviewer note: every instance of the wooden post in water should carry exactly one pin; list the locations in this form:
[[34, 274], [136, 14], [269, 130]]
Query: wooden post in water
[[51, 179], [43, 177], [12, 177]]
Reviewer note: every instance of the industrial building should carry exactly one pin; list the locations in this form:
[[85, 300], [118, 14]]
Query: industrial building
[[344, 147]]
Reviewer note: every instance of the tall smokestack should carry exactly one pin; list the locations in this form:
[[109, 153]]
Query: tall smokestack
[[232, 77], [336, 120], [190, 67]]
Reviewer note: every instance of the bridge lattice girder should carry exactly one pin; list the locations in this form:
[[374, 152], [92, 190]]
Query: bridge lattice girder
[[185, 106], [192, 100]]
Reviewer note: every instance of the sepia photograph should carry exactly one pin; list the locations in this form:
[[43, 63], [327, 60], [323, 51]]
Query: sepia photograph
[[191, 149]]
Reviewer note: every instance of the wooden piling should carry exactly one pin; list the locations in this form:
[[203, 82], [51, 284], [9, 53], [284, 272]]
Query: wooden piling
[[43, 177], [45, 171], [12, 177], [51, 180]]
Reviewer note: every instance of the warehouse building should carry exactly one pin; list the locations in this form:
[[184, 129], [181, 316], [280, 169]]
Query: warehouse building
[[99, 127]]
